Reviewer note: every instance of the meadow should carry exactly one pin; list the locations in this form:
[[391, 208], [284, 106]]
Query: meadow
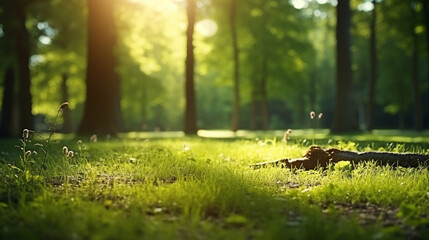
[[168, 186]]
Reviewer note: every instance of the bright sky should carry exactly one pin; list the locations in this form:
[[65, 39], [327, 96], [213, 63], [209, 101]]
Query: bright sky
[[206, 27], [300, 4]]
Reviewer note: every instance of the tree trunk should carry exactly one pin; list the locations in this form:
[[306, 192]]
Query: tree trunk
[[26, 119], [102, 106], [254, 110], [426, 23], [345, 114], [418, 114], [190, 111], [8, 103], [313, 90], [264, 102], [67, 125], [373, 73], [236, 110]]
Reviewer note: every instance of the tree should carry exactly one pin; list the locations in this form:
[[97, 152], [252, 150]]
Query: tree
[[426, 24], [418, 112], [190, 111], [344, 116], [6, 124], [23, 56], [232, 23], [17, 38], [102, 107], [373, 71]]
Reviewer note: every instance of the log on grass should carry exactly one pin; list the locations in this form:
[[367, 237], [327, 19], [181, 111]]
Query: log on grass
[[317, 157]]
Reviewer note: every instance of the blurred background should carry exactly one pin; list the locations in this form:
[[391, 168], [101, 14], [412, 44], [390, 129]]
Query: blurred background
[[259, 64]]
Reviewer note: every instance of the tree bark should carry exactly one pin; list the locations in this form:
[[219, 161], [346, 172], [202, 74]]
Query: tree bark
[[345, 119], [67, 125], [232, 21], [317, 157], [26, 118], [102, 106], [190, 111], [264, 96], [373, 73], [8, 103], [426, 23], [254, 110], [418, 113]]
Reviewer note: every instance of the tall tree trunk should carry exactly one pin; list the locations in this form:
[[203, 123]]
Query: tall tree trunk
[[102, 106], [26, 119], [67, 125], [264, 96], [190, 112], [401, 119], [313, 91], [373, 71], [418, 114], [144, 106], [426, 23], [8, 103], [232, 20], [345, 114], [254, 107]]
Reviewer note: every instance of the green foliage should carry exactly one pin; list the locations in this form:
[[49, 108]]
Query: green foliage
[[291, 48]]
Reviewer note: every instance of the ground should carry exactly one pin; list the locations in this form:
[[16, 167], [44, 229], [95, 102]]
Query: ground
[[166, 186]]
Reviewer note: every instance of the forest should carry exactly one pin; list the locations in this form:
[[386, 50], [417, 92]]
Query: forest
[[185, 65], [214, 119]]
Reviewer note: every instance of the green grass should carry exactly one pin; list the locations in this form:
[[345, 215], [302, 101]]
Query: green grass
[[175, 187]]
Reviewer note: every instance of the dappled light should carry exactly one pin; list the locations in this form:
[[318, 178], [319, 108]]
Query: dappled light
[[214, 119], [206, 27]]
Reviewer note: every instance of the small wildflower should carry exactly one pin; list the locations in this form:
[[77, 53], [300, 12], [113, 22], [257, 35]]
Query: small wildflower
[[65, 150], [63, 106], [312, 114], [79, 142], [132, 160], [25, 134], [93, 138], [286, 135], [34, 153], [320, 115], [70, 154], [28, 153], [186, 147]]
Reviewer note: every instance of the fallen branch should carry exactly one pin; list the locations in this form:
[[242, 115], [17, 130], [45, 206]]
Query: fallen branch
[[317, 157]]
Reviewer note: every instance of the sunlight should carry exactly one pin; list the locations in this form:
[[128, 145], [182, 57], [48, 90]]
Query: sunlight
[[45, 40], [366, 6], [299, 4], [322, 1], [206, 27]]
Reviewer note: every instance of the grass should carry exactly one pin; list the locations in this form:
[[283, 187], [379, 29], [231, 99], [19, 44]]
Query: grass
[[147, 186]]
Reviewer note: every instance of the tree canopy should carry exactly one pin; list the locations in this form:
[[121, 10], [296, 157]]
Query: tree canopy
[[268, 62]]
